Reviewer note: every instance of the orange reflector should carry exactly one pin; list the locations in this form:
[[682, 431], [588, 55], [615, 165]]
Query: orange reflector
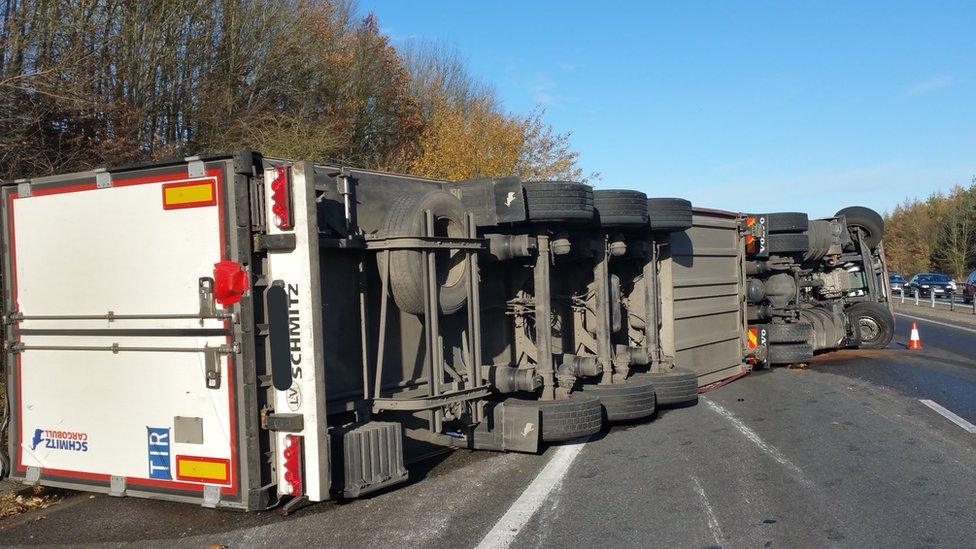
[[189, 194], [203, 469]]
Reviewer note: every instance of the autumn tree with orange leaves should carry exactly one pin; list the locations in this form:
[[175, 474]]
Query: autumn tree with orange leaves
[[85, 84]]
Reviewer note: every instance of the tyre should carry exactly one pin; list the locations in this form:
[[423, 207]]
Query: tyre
[[869, 221], [406, 218], [874, 323], [558, 201], [787, 222], [677, 386], [632, 399], [788, 243], [789, 353], [669, 214], [794, 332], [565, 419], [621, 208]]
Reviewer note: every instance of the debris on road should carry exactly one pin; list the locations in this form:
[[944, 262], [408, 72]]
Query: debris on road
[[29, 499]]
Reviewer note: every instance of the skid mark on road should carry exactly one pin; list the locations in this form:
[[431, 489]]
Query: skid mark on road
[[951, 416], [713, 524], [518, 515], [751, 435]]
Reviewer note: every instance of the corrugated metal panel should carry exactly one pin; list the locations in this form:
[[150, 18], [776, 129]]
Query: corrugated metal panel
[[706, 276]]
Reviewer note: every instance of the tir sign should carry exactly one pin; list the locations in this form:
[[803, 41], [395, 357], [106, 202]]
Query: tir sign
[[280, 197]]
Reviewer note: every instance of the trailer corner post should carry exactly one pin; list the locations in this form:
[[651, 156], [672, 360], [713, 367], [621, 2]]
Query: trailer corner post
[[301, 269]]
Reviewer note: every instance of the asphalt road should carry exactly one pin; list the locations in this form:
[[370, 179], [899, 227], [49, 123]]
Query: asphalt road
[[840, 454]]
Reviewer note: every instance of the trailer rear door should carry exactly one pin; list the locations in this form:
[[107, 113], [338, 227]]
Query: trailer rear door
[[122, 379]]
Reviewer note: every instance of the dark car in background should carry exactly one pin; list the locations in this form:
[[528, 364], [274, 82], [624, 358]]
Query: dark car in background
[[896, 281], [931, 283], [969, 290]]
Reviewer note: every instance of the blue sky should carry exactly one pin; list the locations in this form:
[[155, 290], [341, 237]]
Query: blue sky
[[742, 106]]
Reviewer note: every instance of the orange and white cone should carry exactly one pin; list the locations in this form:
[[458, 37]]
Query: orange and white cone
[[914, 342]]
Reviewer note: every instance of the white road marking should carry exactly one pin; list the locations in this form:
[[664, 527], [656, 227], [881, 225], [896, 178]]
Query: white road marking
[[518, 515], [758, 441], [968, 427], [713, 524], [946, 324]]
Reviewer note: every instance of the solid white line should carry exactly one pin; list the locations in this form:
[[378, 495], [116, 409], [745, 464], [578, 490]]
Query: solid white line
[[947, 325], [969, 427], [518, 515], [758, 441], [713, 524]]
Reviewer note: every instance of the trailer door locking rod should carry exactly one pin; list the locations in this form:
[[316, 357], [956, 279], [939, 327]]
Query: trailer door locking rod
[[211, 354], [112, 316], [115, 348]]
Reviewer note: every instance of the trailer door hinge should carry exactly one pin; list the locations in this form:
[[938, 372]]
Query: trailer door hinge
[[116, 486], [211, 495], [195, 167], [33, 475], [103, 179]]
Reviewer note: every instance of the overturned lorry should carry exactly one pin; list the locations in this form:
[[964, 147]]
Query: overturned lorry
[[242, 332]]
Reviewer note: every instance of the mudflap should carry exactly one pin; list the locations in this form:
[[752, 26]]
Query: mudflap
[[371, 458], [508, 429]]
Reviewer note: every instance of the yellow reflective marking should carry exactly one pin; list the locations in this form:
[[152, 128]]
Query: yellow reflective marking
[[191, 468], [201, 194]]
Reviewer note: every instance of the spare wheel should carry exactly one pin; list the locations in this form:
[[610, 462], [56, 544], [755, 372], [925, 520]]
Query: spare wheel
[[406, 274]]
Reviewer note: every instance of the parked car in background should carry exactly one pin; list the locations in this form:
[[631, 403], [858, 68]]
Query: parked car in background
[[896, 281], [931, 283], [969, 289]]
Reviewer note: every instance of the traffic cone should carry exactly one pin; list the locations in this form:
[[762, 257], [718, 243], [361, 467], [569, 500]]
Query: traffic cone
[[914, 342]]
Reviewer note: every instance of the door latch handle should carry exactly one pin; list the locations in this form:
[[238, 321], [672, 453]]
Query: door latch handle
[[211, 357]]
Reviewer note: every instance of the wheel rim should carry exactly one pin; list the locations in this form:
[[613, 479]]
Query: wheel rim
[[870, 329]]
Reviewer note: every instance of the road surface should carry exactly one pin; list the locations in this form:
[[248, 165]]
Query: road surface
[[843, 454]]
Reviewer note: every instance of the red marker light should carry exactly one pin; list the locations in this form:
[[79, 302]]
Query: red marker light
[[280, 197], [292, 464], [230, 282]]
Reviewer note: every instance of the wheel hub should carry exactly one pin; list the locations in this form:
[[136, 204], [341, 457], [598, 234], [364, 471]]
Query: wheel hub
[[870, 330]]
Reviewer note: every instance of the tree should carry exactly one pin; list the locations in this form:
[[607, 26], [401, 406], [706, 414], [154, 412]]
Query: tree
[[87, 83], [467, 134], [957, 234]]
